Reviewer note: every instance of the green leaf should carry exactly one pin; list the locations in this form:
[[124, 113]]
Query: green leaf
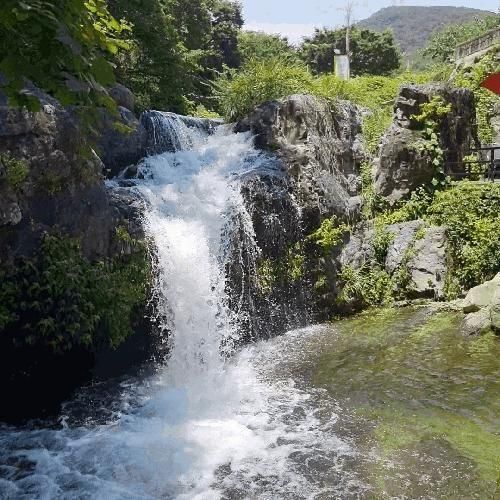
[[103, 71]]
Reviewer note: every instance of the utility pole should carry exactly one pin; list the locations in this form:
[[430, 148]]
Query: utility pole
[[348, 9], [342, 62]]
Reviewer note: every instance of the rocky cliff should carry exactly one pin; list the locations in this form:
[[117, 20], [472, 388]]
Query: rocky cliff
[[402, 166], [66, 243]]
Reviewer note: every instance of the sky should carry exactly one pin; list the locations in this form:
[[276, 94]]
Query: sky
[[298, 18]]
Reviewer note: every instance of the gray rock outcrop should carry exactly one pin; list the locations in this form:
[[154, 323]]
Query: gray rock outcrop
[[51, 180], [428, 264], [320, 147], [402, 167], [482, 308]]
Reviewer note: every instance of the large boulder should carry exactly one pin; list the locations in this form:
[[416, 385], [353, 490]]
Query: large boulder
[[320, 147], [403, 239], [359, 249], [481, 296], [402, 167], [482, 307], [428, 264]]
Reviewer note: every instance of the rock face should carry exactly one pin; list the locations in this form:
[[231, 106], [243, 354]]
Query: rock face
[[320, 148], [482, 307], [402, 167], [422, 256], [50, 178], [403, 240], [51, 181], [428, 265]]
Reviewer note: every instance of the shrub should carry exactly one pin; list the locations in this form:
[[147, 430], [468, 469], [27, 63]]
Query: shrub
[[470, 212], [16, 171], [60, 299], [260, 81], [364, 287], [329, 235]]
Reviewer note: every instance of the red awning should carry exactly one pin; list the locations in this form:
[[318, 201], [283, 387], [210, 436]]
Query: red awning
[[492, 83]]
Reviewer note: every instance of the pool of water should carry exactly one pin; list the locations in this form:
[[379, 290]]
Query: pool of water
[[389, 404]]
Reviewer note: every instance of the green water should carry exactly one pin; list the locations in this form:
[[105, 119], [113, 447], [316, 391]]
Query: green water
[[425, 401]]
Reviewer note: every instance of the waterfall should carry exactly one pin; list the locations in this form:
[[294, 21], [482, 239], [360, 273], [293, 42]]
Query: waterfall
[[208, 425], [194, 199]]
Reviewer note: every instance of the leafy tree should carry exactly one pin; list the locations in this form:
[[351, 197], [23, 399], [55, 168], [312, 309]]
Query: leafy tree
[[62, 47], [372, 53], [178, 47], [441, 46], [227, 22], [259, 45], [158, 68]]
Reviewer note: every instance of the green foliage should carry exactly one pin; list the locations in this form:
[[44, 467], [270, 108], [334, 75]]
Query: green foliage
[[471, 78], [260, 81], [372, 52], [365, 287], [202, 112], [432, 112], [414, 208], [374, 126], [329, 235], [376, 93], [470, 212], [62, 47], [285, 271], [381, 241], [429, 118], [16, 171], [260, 45], [441, 46], [178, 46], [59, 299]]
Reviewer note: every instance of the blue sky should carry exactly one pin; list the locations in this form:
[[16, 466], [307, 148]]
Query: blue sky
[[297, 18]]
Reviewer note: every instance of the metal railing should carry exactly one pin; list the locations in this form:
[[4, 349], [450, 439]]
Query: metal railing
[[484, 166], [478, 44]]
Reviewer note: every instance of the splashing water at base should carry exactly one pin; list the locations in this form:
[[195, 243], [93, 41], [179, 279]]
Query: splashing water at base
[[207, 426]]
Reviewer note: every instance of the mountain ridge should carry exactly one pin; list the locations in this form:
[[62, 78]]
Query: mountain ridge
[[413, 25]]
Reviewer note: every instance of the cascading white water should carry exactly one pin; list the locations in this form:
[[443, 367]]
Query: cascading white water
[[208, 426]]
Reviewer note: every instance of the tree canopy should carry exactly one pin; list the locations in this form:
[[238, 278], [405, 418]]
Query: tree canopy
[[441, 46], [260, 45], [63, 47], [371, 52]]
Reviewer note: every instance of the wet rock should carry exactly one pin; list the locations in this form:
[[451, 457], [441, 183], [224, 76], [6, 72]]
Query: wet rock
[[10, 213], [123, 96], [63, 190], [477, 323], [402, 167], [320, 147], [428, 265], [123, 140], [481, 295]]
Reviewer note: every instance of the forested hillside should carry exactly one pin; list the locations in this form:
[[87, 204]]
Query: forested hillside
[[413, 26]]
